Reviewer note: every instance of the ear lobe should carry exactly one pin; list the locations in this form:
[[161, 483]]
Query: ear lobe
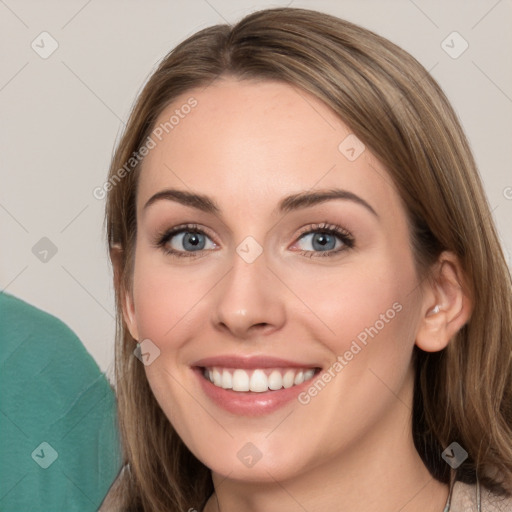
[[123, 295], [433, 334], [446, 305]]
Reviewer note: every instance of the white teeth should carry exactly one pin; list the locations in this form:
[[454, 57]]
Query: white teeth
[[309, 374], [257, 381], [240, 380], [288, 379], [275, 380], [217, 377], [227, 380], [299, 378]]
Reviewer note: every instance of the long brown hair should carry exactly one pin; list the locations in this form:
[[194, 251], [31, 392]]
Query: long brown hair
[[392, 104]]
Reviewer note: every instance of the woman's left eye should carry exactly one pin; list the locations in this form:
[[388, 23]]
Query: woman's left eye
[[324, 241]]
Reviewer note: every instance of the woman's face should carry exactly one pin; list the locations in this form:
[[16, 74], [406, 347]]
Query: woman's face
[[272, 247]]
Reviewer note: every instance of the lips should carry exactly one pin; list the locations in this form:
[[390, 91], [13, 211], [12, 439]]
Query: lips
[[253, 386]]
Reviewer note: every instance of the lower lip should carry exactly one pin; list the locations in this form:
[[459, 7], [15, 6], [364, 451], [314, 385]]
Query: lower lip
[[247, 403]]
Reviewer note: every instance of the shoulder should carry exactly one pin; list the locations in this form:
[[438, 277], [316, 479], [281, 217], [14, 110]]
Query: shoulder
[[40, 354], [25, 327], [53, 388], [465, 499]]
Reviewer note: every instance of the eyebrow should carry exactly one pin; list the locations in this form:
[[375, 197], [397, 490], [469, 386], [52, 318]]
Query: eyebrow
[[288, 204]]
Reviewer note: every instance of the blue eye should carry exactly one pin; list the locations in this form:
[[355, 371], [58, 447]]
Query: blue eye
[[188, 241], [181, 241], [324, 240], [321, 241]]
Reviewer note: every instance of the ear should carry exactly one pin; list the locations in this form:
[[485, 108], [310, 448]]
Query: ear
[[446, 305], [124, 295]]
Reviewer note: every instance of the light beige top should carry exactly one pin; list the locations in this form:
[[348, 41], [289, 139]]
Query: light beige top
[[475, 498]]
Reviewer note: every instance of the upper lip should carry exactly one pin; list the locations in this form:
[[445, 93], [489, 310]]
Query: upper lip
[[250, 362]]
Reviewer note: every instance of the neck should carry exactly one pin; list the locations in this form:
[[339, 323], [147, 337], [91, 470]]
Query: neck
[[377, 490]]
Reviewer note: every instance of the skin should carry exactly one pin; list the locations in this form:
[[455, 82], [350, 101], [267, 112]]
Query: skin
[[247, 145]]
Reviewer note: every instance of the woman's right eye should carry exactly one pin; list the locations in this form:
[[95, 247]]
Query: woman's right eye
[[185, 241]]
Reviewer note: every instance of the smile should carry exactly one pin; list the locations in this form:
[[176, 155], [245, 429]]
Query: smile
[[258, 380], [254, 385]]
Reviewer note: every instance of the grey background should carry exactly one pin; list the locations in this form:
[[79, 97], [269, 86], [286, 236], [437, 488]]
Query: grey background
[[62, 115]]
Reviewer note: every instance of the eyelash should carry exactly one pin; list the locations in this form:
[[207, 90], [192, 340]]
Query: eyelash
[[331, 229]]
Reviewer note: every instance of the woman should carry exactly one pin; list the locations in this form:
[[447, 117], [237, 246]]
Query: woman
[[303, 251]]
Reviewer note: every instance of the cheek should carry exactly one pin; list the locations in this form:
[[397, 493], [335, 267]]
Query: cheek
[[164, 298], [164, 303], [356, 301], [365, 315], [154, 302]]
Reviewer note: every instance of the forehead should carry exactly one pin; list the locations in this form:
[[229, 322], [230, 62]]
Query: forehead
[[257, 141]]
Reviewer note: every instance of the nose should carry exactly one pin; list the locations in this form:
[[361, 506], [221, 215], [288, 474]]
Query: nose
[[249, 300]]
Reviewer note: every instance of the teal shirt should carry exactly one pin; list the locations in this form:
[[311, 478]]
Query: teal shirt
[[59, 444]]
